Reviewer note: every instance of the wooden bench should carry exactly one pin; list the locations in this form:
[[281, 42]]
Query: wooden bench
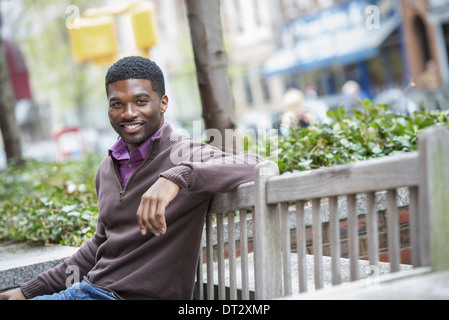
[[263, 220]]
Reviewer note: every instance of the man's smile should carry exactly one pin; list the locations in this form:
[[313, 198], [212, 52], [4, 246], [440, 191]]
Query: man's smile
[[131, 127]]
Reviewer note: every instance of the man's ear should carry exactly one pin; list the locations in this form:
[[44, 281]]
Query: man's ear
[[164, 104]]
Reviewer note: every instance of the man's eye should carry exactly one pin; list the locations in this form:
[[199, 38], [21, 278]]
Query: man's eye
[[116, 104], [141, 101]]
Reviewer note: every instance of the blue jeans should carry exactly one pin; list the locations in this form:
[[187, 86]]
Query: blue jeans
[[79, 291]]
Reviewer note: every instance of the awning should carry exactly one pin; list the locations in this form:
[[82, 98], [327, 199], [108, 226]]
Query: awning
[[283, 61], [18, 71], [325, 50]]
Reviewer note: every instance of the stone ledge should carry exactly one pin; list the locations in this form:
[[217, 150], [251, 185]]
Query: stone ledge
[[20, 262]]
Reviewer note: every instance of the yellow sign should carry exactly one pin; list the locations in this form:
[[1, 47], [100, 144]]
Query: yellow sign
[[144, 26], [95, 37]]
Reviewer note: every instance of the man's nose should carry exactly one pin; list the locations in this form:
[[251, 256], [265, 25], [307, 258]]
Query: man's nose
[[130, 111]]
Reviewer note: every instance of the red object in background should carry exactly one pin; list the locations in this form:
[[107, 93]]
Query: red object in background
[[69, 143], [18, 71]]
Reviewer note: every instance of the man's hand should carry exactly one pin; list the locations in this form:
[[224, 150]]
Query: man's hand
[[14, 294], [151, 212]]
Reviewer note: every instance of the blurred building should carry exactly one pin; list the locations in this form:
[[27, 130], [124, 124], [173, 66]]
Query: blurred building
[[326, 43], [251, 39], [274, 45], [321, 44], [426, 29]]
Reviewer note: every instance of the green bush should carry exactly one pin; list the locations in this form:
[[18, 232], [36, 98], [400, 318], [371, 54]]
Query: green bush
[[49, 202], [370, 133]]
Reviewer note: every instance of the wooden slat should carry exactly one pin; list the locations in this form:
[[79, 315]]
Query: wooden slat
[[301, 246], [353, 238], [317, 243], [242, 197], [334, 226], [285, 244], [220, 254], [232, 264], [364, 176], [199, 276], [434, 201], [244, 254], [210, 258], [267, 230], [372, 229], [393, 231], [414, 225], [255, 254]]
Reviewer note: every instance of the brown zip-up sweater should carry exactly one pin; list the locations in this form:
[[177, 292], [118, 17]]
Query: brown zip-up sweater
[[118, 257]]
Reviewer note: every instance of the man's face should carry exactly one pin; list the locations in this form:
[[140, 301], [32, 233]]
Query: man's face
[[135, 110]]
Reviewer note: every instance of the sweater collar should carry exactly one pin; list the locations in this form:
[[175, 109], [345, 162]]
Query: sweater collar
[[120, 149]]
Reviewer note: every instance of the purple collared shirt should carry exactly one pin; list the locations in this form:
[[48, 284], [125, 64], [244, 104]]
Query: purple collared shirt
[[128, 163]]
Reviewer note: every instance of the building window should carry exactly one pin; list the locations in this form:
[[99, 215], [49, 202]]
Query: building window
[[265, 89], [446, 37], [248, 91], [421, 32], [256, 12], [238, 15]]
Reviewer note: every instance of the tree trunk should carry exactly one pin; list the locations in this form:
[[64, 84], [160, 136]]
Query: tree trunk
[[211, 69], [8, 126]]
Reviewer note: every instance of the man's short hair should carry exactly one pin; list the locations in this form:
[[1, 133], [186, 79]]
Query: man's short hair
[[135, 67]]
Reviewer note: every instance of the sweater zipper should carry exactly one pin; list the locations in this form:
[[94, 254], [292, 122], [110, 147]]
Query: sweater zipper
[[117, 174]]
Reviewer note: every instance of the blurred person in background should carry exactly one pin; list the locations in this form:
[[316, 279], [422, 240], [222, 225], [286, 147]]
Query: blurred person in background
[[352, 94], [315, 105], [430, 78], [294, 114]]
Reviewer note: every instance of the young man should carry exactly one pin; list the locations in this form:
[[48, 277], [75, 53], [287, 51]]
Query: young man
[[151, 180]]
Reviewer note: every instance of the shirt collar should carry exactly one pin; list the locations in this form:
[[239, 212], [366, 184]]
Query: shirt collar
[[120, 149]]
